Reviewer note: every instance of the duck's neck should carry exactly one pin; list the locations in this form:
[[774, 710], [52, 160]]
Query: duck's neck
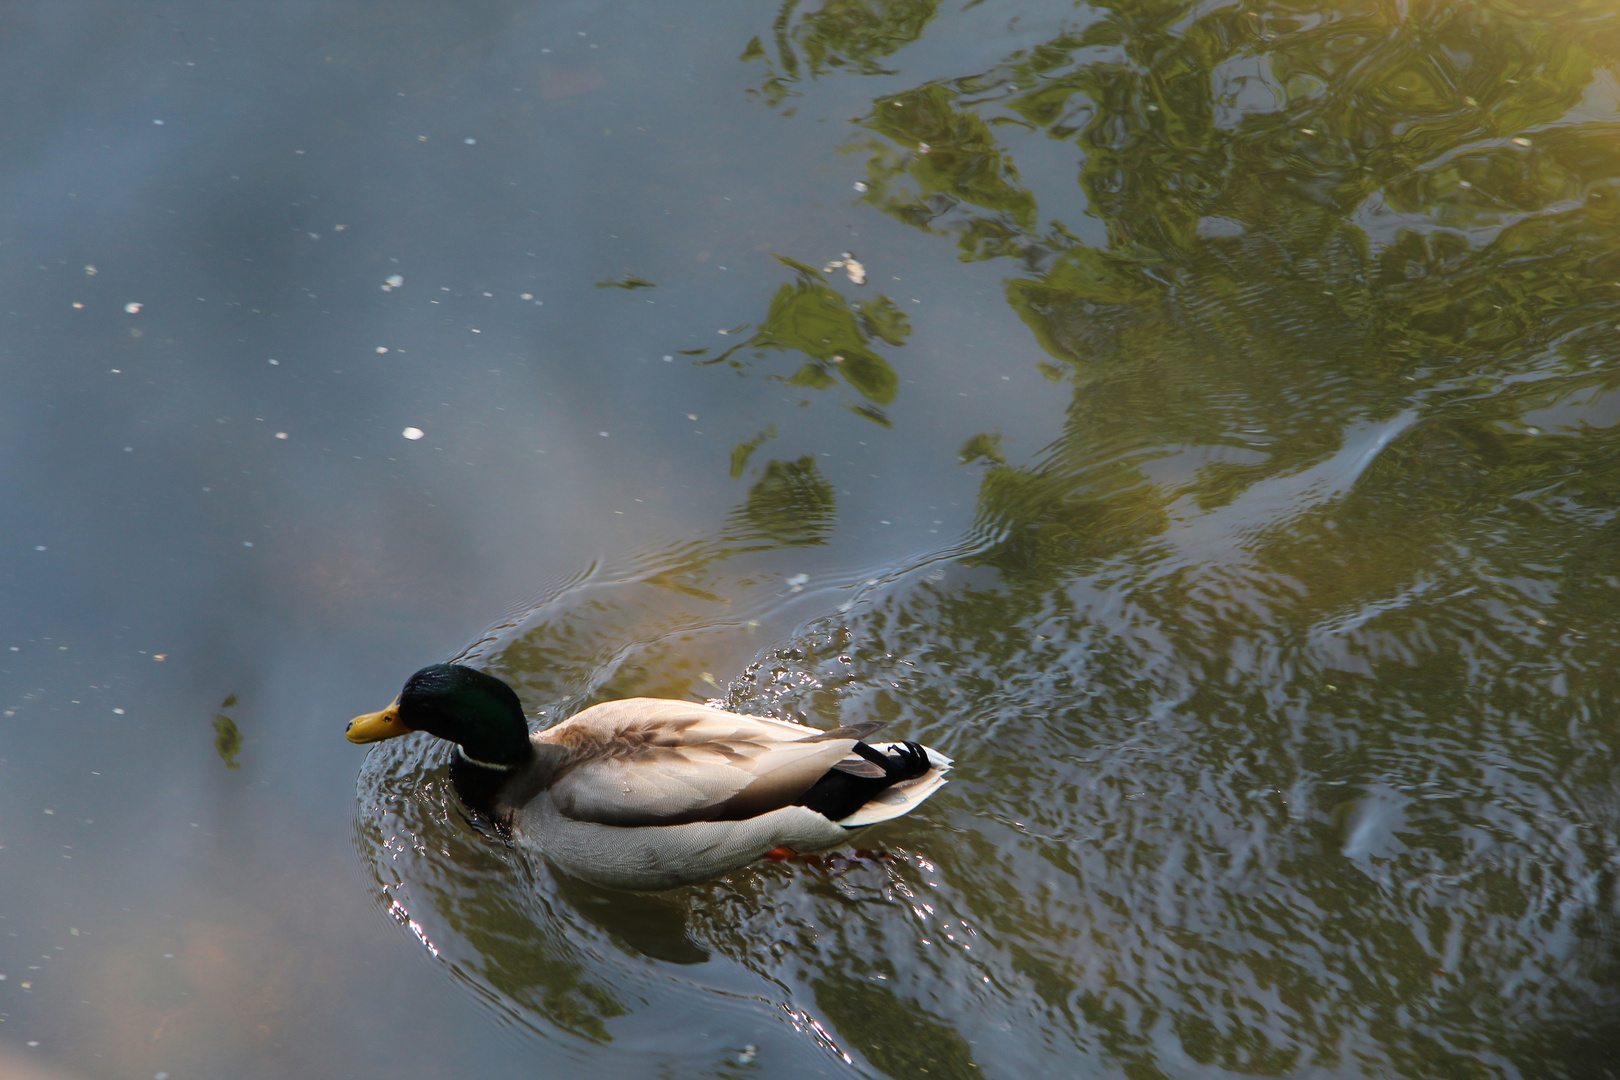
[[497, 790]]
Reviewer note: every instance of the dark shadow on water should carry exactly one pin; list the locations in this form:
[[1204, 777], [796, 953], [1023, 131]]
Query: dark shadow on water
[[650, 925]]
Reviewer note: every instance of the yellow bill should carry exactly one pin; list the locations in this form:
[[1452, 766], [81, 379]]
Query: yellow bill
[[377, 726]]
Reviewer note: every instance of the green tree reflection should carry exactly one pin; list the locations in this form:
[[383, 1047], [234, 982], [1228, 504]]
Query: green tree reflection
[[850, 35], [1332, 298], [1281, 682], [812, 318]]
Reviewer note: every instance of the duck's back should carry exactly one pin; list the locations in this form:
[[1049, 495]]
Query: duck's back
[[655, 762], [654, 793]]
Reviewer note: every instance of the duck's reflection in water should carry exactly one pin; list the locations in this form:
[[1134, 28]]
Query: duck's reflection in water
[[654, 925]]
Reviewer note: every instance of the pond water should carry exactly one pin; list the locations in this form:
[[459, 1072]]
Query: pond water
[[1197, 419]]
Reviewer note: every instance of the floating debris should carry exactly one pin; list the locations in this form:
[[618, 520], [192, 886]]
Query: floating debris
[[850, 266], [133, 309], [393, 282], [1521, 141], [413, 433], [629, 281], [860, 186]]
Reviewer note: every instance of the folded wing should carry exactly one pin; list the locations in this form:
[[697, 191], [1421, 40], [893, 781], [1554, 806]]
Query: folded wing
[[646, 761]]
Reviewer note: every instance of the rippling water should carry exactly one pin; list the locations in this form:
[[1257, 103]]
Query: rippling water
[[1280, 681], [1200, 420]]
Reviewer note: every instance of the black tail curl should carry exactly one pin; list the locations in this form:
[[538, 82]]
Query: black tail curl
[[842, 791]]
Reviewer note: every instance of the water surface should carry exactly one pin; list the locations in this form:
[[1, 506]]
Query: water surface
[[1214, 451]]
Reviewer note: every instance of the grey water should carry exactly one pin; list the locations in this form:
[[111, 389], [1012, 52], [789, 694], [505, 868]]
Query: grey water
[[1199, 420]]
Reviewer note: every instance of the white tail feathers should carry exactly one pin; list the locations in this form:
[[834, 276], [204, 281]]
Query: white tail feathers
[[904, 797]]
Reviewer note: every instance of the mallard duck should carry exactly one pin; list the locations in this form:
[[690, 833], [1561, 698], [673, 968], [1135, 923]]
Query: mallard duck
[[648, 793]]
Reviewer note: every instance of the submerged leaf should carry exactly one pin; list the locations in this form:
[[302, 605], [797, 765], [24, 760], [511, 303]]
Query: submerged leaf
[[227, 740]]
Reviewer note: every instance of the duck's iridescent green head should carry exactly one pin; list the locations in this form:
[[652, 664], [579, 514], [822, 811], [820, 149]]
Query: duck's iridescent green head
[[478, 712]]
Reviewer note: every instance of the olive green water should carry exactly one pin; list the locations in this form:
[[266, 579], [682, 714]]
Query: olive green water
[[1219, 460]]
